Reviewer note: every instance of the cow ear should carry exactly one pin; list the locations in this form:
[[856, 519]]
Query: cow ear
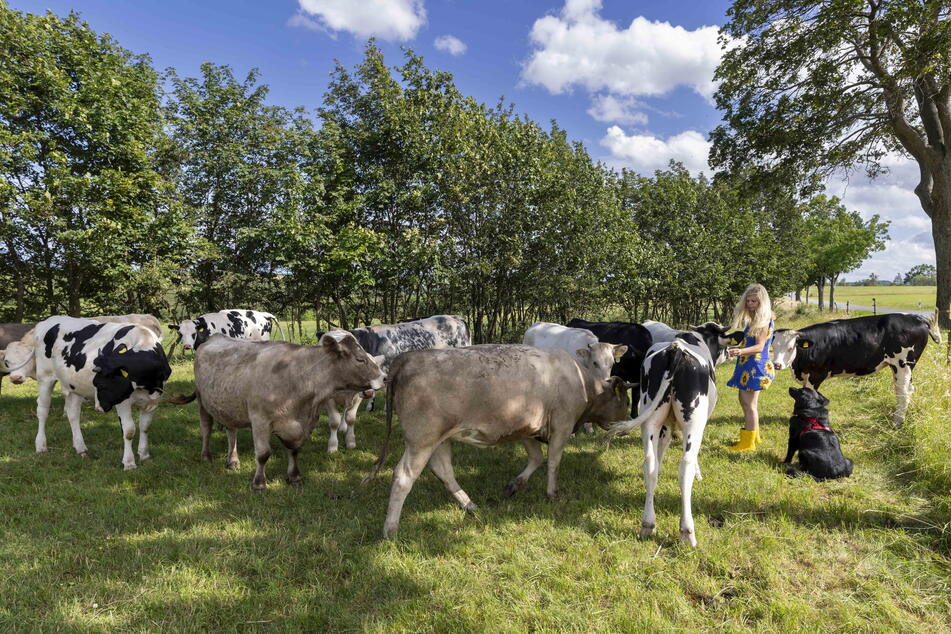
[[583, 353], [736, 337], [379, 359], [330, 344], [173, 327], [619, 351]]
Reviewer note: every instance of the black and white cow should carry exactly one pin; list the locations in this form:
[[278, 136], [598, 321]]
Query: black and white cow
[[236, 323], [857, 347], [389, 341], [677, 391], [112, 364]]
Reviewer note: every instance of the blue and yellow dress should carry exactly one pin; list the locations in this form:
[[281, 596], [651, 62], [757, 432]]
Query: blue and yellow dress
[[753, 371]]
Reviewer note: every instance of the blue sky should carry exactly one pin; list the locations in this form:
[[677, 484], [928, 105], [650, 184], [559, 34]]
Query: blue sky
[[631, 79]]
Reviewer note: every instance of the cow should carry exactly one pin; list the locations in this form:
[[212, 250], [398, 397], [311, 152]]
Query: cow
[[858, 347], [678, 391], [274, 387], [711, 332], [390, 341], [115, 365], [500, 393], [235, 323], [8, 334], [580, 342], [148, 321]]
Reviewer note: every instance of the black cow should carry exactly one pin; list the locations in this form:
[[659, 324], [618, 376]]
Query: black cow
[[857, 347], [635, 336]]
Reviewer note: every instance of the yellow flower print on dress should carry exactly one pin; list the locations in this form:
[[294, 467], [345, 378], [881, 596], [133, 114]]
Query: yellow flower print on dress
[[744, 379], [758, 356], [764, 382], [769, 368], [743, 358]]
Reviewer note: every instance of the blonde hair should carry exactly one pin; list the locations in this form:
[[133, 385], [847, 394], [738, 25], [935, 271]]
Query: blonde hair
[[758, 321]]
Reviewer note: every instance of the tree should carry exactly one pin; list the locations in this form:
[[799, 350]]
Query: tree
[[808, 88], [82, 209], [920, 275]]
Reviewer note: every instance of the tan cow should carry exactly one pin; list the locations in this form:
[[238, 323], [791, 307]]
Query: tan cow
[[274, 387], [498, 393]]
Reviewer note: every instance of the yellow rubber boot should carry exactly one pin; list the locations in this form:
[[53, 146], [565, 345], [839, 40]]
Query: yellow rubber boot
[[757, 438], [747, 441]]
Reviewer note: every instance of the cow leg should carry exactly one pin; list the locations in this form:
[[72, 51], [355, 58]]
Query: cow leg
[[556, 446], [903, 390], [204, 423], [262, 451], [231, 462], [124, 410], [693, 436], [650, 436], [42, 411], [293, 473], [535, 460], [145, 421], [407, 470], [333, 418], [350, 420], [74, 404], [441, 464]]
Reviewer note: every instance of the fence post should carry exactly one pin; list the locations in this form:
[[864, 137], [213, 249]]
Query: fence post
[[874, 307], [847, 307]]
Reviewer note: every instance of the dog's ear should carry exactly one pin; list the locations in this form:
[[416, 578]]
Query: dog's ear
[[822, 399], [795, 391]]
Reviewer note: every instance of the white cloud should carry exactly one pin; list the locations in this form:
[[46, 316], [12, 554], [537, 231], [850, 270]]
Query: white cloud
[[645, 153], [451, 44], [393, 20], [611, 109], [897, 258], [579, 48]]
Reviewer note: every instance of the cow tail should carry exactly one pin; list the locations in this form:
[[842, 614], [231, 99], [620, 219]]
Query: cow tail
[[625, 427], [390, 391], [933, 329], [276, 321], [181, 399]]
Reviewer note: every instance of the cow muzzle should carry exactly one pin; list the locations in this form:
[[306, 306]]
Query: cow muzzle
[[17, 380], [368, 394], [778, 366]]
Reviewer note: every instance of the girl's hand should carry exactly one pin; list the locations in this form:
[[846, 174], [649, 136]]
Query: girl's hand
[[732, 352]]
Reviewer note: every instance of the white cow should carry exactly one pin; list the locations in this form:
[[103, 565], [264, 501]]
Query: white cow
[[235, 323], [112, 364]]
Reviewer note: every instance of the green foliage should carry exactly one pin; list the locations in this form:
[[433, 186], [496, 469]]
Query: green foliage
[[920, 275]]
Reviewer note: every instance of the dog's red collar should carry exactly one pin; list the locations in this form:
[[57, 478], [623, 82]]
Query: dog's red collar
[[814, 425]]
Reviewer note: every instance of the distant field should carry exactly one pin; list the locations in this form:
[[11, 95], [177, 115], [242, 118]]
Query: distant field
[[901, 297]]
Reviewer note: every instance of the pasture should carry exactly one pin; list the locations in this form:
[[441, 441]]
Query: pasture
[[183, 545], [898, 297]]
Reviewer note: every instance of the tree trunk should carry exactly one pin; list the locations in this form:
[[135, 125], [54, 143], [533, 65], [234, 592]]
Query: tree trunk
[[798, 294], [832, 282], [820, 289], [941, 232]]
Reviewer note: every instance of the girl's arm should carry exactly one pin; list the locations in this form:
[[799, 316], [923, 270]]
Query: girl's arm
[[756, 348]]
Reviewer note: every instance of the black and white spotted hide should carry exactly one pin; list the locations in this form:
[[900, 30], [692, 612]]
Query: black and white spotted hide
[[235, 323]]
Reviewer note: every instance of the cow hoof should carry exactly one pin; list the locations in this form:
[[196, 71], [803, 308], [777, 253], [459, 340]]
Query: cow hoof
[[471, 508], [295, 482], [553, 497], [513, 486], [232, 466], [389, 532], [688, 537], [144, 458], [83, 454], [258, 486], [128, 467], [351, 445], [646, 530], [42, 450], [206, 457], [331, 450]]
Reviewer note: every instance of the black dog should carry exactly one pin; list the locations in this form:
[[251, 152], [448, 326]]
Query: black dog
[[809, 433]]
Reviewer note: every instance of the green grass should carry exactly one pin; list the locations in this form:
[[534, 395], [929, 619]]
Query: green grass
[[182, 545], [898, 297]]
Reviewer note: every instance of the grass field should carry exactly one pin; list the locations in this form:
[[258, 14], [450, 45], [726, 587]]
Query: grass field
[[899, 297], [182, 545]]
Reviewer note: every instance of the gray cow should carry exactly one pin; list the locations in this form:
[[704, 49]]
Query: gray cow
[[274, 387], [500, 393], [389, 341]]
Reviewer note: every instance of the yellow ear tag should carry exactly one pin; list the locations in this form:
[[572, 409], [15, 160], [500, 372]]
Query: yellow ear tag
[[201, 330], [122, 350], [805, 344], [124, 373]]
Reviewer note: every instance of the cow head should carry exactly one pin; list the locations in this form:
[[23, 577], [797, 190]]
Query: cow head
[[717, 339], [611, 405], [599, 358], [357, 370], [786, 345], [120, 370], [18, 361], [191, 330]]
